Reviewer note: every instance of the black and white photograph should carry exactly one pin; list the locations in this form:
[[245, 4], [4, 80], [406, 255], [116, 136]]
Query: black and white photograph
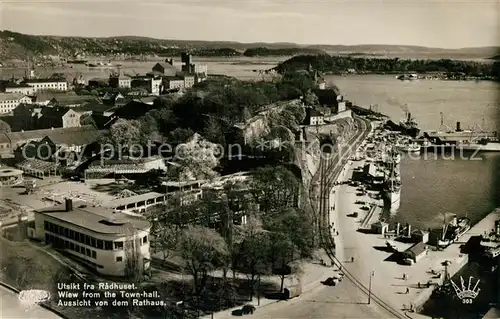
[[269, 159]]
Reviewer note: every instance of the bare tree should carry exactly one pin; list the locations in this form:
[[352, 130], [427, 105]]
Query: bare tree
[[203, 250], [134, 265]]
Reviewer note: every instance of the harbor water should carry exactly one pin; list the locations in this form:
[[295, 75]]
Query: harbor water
[[434, 185]]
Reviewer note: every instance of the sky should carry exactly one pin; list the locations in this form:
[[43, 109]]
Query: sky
[[432, 23]]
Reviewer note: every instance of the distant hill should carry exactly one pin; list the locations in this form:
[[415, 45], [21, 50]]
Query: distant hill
[[265, 51], [496, 57], [15, 45]]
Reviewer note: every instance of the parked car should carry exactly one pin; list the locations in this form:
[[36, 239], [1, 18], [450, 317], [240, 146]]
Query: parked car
[[330, 281], [407, 262], [248, 309]]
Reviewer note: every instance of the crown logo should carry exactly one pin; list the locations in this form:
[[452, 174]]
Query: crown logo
[[466, 293]]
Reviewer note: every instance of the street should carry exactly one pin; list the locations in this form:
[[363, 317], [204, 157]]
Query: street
[[12, 308]]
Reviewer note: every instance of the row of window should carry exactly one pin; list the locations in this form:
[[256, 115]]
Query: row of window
[[86, 239], [64, 244], [82, 238]]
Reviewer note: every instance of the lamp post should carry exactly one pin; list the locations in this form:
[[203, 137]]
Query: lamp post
[[370, 287]]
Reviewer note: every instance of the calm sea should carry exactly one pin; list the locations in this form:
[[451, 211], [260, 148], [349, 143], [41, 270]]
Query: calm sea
[[436, 185]]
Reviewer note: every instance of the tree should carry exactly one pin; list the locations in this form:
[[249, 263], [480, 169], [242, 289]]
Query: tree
[[180, 135], [275, 187], [4, 127], [203, 250], [296, 226], [251, 255], [168, 240], [125, 133], [197, 158], [311, 99], [134, 264], [213, 131], [281, 255]]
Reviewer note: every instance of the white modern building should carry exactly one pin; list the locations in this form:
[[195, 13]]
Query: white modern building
[[138, 203], [47, 84], [9, 101], [100, 238], [19, 88]]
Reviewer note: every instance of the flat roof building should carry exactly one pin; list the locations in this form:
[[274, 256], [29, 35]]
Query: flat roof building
[[137, 203], [95, 236]]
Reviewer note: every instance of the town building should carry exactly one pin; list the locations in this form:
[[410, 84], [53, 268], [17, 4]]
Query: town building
[[416, 252], [66, 99], [313, 117], [123, 167], [58, 116], [120, 81], [189, 81], [9, 101], [9, 142], [98, 237], [420, 236], [155, 86], [137, 203], [65, 148], [18, 88], [165, 68], [173, 82], [115, 99], [96, 83], [47, 84]]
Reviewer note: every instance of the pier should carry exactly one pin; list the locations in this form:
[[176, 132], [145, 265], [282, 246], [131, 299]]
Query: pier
[[404, 287]]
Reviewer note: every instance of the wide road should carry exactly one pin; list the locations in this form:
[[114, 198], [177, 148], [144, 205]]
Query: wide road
[[343, 301], [12, 308]]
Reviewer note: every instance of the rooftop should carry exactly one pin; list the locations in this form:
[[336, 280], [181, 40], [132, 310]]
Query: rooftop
[[219, 183], [96, 219], [417, 249], [45, 80], [54, 134], [56, 111], [15, 85], [79, 137], [10, 96]]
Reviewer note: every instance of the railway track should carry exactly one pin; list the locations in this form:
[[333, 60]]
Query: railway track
[[329, 173]]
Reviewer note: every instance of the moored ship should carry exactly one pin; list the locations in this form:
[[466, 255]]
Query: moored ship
[[392, 194], [408, 126], [467, 140], [391, 191]]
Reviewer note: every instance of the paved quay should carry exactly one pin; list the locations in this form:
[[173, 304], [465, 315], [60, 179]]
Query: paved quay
[[369, 252]]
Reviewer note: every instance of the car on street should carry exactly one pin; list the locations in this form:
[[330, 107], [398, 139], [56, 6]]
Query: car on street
[[248, 309], [330, 281]]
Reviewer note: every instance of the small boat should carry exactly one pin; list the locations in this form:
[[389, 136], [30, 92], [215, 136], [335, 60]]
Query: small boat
[[76, 61], [492, 252], [407, 77], [410, 148]]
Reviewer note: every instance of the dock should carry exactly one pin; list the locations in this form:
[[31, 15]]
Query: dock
[[453, 254]]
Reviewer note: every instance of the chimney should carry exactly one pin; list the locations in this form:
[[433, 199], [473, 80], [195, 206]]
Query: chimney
[[398, 225], [458, 127], [409, 230], [69, 204]]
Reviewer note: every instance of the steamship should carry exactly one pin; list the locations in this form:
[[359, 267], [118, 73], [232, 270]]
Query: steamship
[[467, 140], [391, 191]]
